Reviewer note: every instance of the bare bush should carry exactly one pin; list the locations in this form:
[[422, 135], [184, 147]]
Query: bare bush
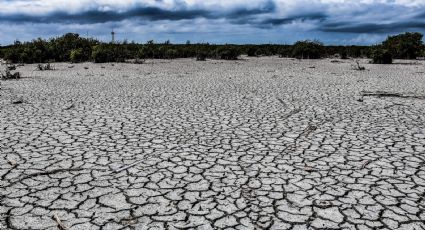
[[45, 67], [8, 75], [11, 67], [357, 66]]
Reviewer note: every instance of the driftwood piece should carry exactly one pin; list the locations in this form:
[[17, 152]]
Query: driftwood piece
[[45, 173], [366, 163], [310, 128], [12, 163], [69, 106], [61, 226], [390, 94], [129, 166], [144, 158], [358, 66], [17, 101]]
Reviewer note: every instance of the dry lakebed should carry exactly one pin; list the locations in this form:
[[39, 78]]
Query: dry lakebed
[[257, 143]]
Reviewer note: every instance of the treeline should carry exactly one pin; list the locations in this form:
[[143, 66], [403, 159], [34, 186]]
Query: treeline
[[402, 46], [73, 48]]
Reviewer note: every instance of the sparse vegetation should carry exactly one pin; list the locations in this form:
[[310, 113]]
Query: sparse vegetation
[[73, 48]]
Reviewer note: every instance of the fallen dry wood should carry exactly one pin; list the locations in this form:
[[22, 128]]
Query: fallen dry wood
[[144, 158], [358, 66], [281, 101], [366, 163], [61, 226], [130, 165], [390, 94], [12, 163], [69, 106], [45, 173], [310, 128]]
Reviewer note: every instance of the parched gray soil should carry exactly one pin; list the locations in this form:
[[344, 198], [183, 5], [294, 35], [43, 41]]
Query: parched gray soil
[[259, 143]]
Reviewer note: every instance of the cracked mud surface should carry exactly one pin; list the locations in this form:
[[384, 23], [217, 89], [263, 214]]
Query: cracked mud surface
[[252, 144]]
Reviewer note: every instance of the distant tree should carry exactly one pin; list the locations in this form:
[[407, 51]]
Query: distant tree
[[404, 46]]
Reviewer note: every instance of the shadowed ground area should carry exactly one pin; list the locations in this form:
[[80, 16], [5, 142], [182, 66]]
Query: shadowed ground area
[[249, 144]]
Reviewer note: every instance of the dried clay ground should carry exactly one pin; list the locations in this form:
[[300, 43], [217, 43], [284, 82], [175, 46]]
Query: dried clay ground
[[258, 143]]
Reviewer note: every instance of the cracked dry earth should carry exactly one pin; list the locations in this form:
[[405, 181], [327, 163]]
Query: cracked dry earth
[[261, 143]]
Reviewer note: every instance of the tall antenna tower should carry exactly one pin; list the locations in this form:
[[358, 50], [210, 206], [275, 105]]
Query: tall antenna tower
[[113, 36]]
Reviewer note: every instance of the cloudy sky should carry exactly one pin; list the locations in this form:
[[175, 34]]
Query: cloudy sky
[[214, 21]]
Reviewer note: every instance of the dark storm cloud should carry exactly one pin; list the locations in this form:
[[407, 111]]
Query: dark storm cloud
[[288, 20], [267, 7], [346, 27], [141, 12], [94, 16], [420, 15]]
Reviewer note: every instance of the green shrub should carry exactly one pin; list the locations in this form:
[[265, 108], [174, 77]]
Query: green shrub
[[76, 55], [108, 53], [141, 53], [344, 54], [13, 55], [227, 53], [252, 52], [201, 57], [100, 55], [381, 56], [422, 53], [285, 51], [308, 50], [171, 54]]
